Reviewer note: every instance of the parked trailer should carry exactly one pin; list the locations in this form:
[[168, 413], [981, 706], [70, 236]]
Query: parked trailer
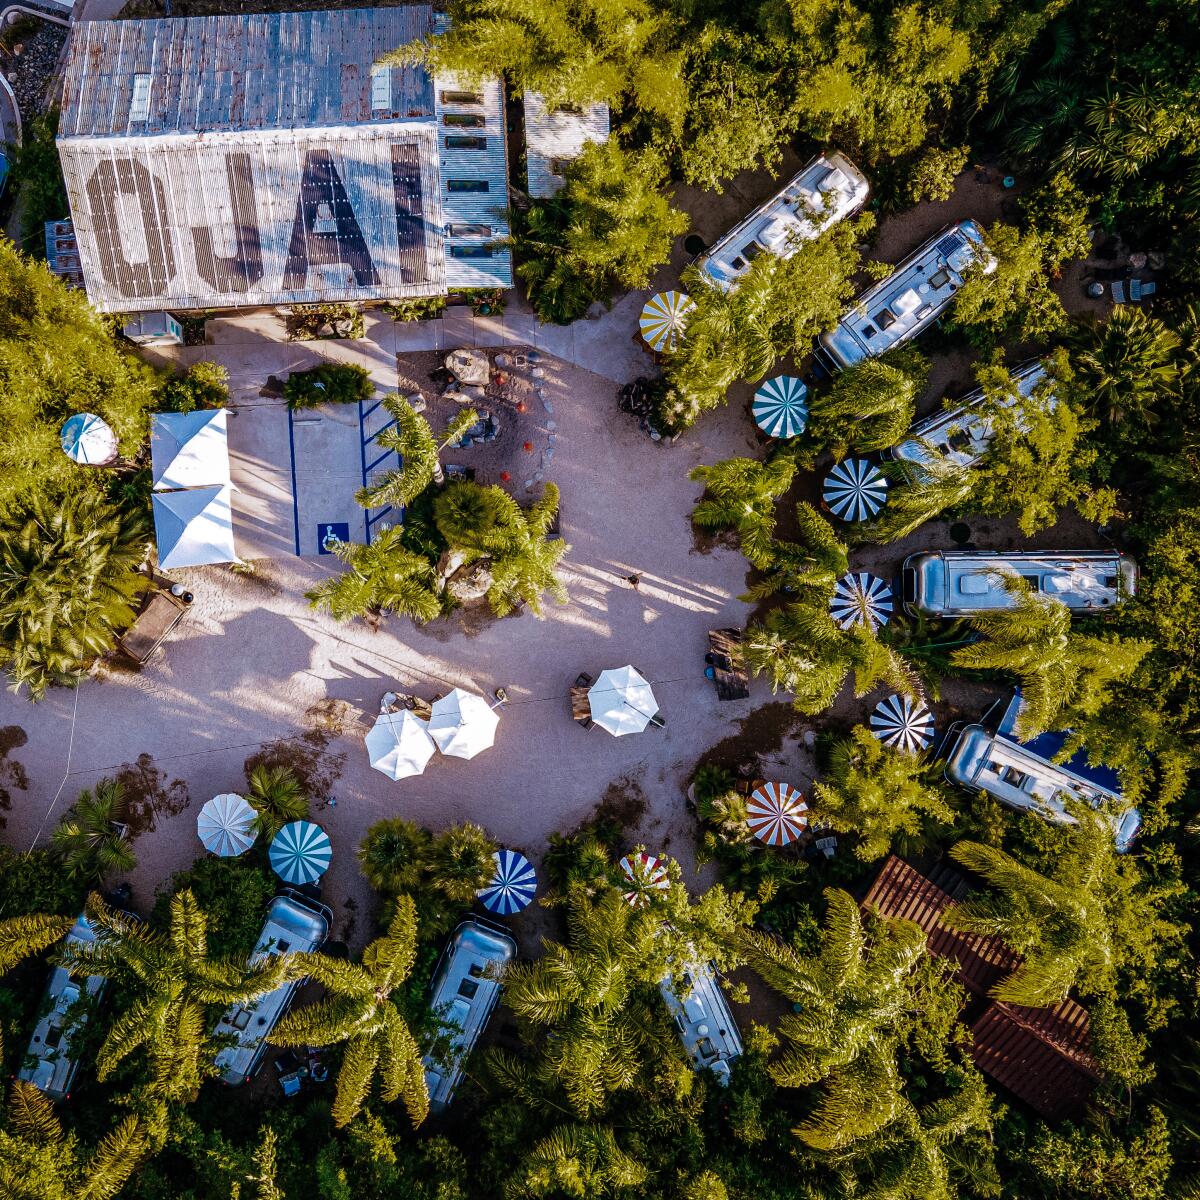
[[826, 191], [294, 924], [1025, 775], [963, 434], [957, 583], [466, 988], [48, 1062], [706, 1026], [908, 301]]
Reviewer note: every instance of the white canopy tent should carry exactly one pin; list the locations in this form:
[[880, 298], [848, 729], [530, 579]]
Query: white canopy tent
[[463, 724], [189, 449], [194, 528]]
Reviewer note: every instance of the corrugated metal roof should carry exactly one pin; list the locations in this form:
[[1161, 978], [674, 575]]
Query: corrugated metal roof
[[1017, 1055], [258, 71], [274, 165], [1042, 1055], [559, 136]]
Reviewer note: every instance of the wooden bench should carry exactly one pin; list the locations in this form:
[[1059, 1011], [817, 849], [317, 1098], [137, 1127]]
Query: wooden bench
[[581, 707], [160, 613]]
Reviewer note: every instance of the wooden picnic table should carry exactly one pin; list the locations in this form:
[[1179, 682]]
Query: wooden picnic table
[[728, 664], [581, 709], [160, 614]]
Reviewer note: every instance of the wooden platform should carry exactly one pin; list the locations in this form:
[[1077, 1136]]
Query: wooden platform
[[160, 614], [728, 664]]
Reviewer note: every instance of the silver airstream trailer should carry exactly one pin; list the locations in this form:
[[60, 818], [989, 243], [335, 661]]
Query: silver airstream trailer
[[908, 301], [294, 924], [957, 583], [48, 1063], [825, 192], [1025, 776], [706, 1026], [466, 988], [962, 434]]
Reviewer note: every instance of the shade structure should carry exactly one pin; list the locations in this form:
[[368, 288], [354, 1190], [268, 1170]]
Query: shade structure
[[861, 599], [226, 825], [513, 885], [646, 875], [399, 744], [776, 813], [663, 319], [194, 528], [621, 701], [855, 490], [462, 724], [780, 406], [300, 852], [189, 449], [904, 723], [87, 439]]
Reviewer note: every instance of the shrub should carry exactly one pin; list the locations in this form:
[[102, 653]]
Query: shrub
[[330, 383], [205, 385]]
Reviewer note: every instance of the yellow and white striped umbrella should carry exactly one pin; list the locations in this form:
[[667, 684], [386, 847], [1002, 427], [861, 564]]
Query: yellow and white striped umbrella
[[663, 319]]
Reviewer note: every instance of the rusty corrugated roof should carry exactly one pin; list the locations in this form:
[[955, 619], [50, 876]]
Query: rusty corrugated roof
[[1042, 1055]]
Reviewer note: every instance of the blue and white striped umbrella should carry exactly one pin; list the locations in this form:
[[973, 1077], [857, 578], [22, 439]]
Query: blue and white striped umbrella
[[512, 887], [300, 852], [855, 490], [904, 723], [780, 406], [88, 439], [861, 599]]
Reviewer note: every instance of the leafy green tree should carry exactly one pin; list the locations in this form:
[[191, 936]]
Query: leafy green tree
[[360, 1011], [1061, 673], [460, 862], [172, 980], [394, 854], [277, 795], [812, 563], [882, 794], [58, 356], [1125, 368], [918, 495], [1013, 301], [1040, 458], [37, 173], [572, 52], [202, 385], [328, 383], [33, 882], [577, 1160], [741, 494], [23, 936], [233, 894], [381, 577], [933, 173], [420, 454], [870, 406], [88, 841], [609, 227], [68, 585], [40, 1160], [1059, 212]]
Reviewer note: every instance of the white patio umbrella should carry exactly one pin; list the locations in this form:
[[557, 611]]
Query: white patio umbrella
[[226, 825], [622, 701], [463, 724], [399, 744]]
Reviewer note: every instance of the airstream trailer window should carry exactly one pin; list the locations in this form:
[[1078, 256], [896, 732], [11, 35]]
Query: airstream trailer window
[[939, 278]]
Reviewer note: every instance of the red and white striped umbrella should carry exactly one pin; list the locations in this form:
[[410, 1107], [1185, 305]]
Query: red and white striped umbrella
[[646, 874], [776, 813]]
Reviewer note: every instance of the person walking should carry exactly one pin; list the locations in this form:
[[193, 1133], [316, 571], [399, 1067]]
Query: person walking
[[633, 581]]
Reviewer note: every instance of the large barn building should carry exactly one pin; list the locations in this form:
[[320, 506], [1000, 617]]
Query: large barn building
[[243, 161]]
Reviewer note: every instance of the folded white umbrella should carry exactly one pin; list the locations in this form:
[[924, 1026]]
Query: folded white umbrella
[[226, 825], [399, 744], [621, 701], [463, 724]]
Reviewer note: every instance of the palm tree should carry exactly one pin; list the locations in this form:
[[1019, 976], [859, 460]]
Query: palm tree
[[40, 1160], [1057, 921], [1059, 671], [460, 862], [577, 1160], [68, 585], [740, 494], [89, 841], [919, 496], [868, 407], [413, 440], [854, 996], [1126, 366], [879, 793], [382, 577], [277, 795], [360, 1011], [172, 981], [816, 560], [22, 936], [393, 855]]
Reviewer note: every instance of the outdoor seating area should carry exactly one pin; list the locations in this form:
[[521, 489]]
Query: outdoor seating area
[[725, 664], [620, 701]]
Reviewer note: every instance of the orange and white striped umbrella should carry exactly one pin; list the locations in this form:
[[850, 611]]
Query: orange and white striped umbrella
[[646, 874], [776, 813]]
